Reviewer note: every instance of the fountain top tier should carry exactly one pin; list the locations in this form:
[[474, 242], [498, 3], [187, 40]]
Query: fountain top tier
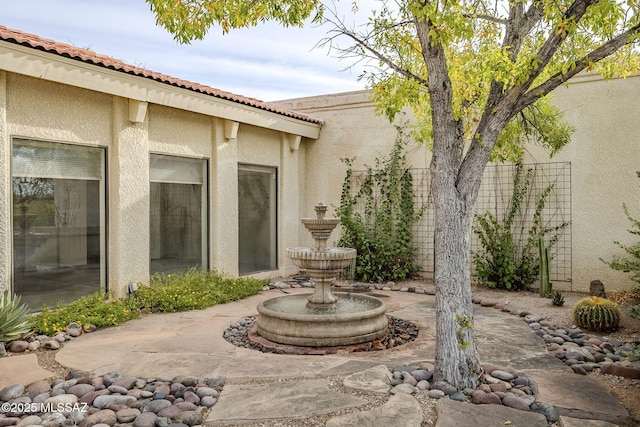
[[321, 263], [320, 227]]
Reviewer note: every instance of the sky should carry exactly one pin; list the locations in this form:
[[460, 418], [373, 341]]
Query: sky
[[267, 62]]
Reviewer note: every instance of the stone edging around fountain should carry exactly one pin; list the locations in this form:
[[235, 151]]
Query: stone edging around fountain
[[243, 333]]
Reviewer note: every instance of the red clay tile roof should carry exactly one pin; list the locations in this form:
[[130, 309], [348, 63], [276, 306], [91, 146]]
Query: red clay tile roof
[[90, 57]]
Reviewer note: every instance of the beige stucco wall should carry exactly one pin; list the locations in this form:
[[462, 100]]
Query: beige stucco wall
[[64, 114], [73, 115], [5, 190], [351, 130], [178, 132], [604, 155], [128, 201]]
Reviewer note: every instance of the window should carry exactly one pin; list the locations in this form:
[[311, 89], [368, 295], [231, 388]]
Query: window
[[178, 214], [257, 194], [58, 221]]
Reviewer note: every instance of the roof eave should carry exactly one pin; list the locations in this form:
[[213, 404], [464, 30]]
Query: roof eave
[[54, 67]]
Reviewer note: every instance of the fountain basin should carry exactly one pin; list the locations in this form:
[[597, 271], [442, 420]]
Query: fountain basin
[[322, 264], [352, 319]]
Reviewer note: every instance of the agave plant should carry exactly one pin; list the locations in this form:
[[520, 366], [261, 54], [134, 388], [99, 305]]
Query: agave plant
[[14, 318], [557, 298]]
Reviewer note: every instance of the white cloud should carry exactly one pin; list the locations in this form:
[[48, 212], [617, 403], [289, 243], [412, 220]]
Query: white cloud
[[266, 62]]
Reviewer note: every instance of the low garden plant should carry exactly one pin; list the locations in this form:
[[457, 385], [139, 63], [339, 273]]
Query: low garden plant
[[596, 314], [557, 299], [194, 290], [95, 309], [631, 351], [14, 318], [166, 293]]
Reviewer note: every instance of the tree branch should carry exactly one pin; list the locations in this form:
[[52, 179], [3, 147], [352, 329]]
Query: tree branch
[[575, 13], [519, 25], [361, 40], [489, 18], [588, 60], [501, 105], [448, 132]]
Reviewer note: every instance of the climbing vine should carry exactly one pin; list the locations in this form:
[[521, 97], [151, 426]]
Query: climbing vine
[[508, 257], [381, 231]]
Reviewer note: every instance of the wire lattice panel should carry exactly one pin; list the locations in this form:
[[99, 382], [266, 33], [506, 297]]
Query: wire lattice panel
[[495, 195]]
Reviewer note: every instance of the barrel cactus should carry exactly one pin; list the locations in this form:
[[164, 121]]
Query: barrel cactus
[[597, 314]]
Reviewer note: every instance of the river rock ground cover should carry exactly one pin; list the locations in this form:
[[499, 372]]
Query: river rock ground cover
[[626, 390]]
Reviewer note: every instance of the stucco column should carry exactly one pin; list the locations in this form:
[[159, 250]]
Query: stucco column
[[289, 203], [223, 206], [5, 191], [128, 189]]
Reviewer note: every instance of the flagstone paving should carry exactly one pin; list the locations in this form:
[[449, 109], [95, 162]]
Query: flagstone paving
[[261, 387]]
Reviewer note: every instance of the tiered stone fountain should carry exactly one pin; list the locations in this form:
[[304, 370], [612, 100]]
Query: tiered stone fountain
[[322, 319]]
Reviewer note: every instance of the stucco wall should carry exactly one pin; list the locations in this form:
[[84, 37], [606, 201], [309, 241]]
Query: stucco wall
[[128, 201], [604, 155], [65, 114], [351, 130], [5, 190], [179, 133], [72, 115]]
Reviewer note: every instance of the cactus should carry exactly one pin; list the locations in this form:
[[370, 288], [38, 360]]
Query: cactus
[[543, 269], [597, 314], [557, 299]]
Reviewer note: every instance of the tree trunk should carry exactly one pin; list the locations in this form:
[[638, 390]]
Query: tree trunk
[[456, 354], [457, 359]]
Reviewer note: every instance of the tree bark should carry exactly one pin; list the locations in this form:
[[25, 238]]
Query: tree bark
[[457, 359]]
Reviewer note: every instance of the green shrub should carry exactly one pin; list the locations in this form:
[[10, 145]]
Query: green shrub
[[193, 290], [94, 309], [505, 259], [382, 232], [14, 318], [597, 314], [635, 312]]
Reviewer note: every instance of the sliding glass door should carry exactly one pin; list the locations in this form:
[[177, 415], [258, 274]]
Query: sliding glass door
[[59, 248], [257, 195], [178, 196]]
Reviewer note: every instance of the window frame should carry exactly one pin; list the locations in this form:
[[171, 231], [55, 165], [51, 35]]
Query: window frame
[[205, 211]]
